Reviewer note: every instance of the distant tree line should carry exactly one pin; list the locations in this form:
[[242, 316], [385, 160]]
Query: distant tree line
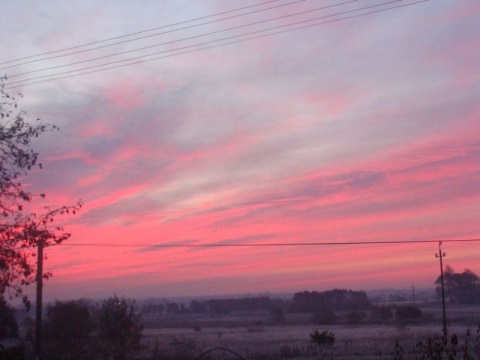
[[334, 300], [225, 306], [460, 288], [214, 306], [302, 302]]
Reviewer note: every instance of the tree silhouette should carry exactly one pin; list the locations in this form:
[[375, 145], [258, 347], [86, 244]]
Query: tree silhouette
[[21, 230], [336, 299], [8, 323], [68, 327], [119, 328], [461, 288]]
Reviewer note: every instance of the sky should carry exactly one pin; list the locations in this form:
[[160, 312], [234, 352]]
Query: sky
[[253, 122]]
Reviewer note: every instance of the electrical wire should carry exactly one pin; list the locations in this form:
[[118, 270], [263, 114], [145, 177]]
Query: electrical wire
[[138, 32], [178, 40], [53, 77], [149, 36], [136, 61], [288, 244]]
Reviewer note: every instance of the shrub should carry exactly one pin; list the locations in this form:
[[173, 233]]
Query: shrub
[[322, 338], [119, 328], [68, 327], [183, 348], [290, 352], [8, 324], [437, 347]]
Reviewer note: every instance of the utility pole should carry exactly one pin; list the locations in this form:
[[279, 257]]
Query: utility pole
[[441, 255], [413, 294], [38, 315]]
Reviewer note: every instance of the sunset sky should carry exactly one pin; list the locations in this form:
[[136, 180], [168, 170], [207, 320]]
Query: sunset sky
[[251, 122]]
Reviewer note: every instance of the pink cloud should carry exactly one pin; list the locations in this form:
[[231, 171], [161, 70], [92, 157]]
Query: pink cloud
[[96, 127], [349, 135], [123, 95]]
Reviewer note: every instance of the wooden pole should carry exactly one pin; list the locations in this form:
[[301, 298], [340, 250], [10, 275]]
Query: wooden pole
[[38, 314], [441, 255]]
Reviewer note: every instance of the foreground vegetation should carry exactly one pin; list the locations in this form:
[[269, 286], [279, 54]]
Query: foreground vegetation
[[334, 324], [251, 328], [294, 342]]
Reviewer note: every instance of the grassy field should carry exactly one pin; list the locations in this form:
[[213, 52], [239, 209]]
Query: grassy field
[[252, 336], [369, 341]]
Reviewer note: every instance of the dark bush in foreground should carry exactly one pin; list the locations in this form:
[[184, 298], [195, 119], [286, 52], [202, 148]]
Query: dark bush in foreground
[[119, 328], [322, 338], [8, 324], [67, 331]]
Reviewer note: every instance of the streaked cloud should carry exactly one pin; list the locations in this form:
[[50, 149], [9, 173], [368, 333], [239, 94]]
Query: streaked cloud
[[359, 130]]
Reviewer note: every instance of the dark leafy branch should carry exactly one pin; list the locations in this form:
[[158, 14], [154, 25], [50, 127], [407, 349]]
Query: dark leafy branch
[[21, 231]]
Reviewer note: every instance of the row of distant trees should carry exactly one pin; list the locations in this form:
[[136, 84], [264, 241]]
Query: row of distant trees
[[461, 288], [335, 300], [376, 314], [213, 306], [328, 307], [306, 301]]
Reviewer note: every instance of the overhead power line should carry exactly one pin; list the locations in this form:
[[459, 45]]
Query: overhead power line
[[149, 36], [186, 38], [142, 59], [285, 244], [138, 32]]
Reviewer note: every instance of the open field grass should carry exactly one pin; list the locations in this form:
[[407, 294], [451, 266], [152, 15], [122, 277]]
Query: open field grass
[[281, 342], [253, 336], [293, 342]]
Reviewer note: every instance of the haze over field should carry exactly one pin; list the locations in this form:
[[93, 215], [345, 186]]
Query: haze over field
[[366, 129]]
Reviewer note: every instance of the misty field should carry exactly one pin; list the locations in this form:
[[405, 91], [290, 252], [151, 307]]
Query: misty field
[[252, 336], [283, 342]]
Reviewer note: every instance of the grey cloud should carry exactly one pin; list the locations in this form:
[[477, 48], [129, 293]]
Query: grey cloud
[[196, 244], [353, 181], [278, 201], [167, 244]]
